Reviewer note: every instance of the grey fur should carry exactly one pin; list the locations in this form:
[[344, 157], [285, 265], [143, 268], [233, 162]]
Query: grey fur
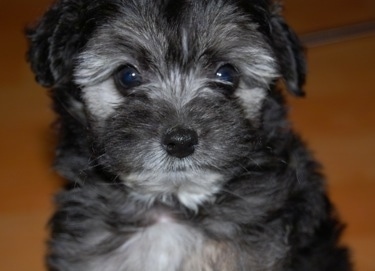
[[249, 197], [177, 93]]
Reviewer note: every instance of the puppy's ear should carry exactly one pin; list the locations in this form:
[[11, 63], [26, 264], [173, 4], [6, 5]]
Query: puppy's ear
[[290, 54], [59, 36], [41, 38]]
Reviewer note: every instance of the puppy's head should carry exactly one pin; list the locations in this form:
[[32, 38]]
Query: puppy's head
[[169, 94]]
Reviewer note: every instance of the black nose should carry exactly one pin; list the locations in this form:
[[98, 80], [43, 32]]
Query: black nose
[[180, 142]]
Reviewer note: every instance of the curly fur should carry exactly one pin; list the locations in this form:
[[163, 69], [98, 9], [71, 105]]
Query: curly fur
[[250, 197]]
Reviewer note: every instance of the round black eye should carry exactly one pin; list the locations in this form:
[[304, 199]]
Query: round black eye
[[228, 75], [128, 77]]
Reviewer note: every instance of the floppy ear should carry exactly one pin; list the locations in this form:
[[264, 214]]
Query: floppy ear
[[290, 54], [59, 36], [41, 38], [54, 41]]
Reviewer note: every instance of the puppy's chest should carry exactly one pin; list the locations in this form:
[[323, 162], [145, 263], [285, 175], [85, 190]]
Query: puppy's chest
[[168, 244], [164, 245]]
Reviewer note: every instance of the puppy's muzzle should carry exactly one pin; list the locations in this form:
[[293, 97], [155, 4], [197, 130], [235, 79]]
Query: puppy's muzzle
[[180, 142]]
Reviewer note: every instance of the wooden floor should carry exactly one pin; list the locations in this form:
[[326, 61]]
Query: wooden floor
[[337, 119]]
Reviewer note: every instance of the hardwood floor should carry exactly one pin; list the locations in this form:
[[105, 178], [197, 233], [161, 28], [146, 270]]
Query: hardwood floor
[[337, 119]]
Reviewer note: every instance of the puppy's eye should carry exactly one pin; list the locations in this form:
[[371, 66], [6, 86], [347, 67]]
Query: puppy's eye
[[128, 77], [228, 75]]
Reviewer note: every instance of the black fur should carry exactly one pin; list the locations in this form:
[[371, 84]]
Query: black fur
[[271, 212]]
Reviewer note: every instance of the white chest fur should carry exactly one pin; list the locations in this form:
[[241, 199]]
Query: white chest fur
[[163, 246]]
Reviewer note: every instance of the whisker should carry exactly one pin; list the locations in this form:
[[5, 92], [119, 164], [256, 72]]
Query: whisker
[[235, 194]]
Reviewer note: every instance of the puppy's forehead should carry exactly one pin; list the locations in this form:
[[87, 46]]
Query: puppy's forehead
[[163, 34]]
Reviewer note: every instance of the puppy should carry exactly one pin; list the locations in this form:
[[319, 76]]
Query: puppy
[[174, 139]]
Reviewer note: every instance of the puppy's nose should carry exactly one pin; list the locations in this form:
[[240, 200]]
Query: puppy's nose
[[180, 142]]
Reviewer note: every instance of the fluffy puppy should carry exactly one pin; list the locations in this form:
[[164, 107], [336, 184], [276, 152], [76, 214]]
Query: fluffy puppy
[[175, 142]]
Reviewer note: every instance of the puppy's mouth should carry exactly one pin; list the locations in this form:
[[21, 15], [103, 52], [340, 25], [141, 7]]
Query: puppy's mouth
[[177, 162], [191, 188]]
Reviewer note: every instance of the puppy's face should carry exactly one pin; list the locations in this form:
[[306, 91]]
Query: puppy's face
[[172, 93]]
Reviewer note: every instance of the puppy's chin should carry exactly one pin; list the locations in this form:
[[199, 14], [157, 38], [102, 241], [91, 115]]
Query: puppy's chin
[[190, 188]]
